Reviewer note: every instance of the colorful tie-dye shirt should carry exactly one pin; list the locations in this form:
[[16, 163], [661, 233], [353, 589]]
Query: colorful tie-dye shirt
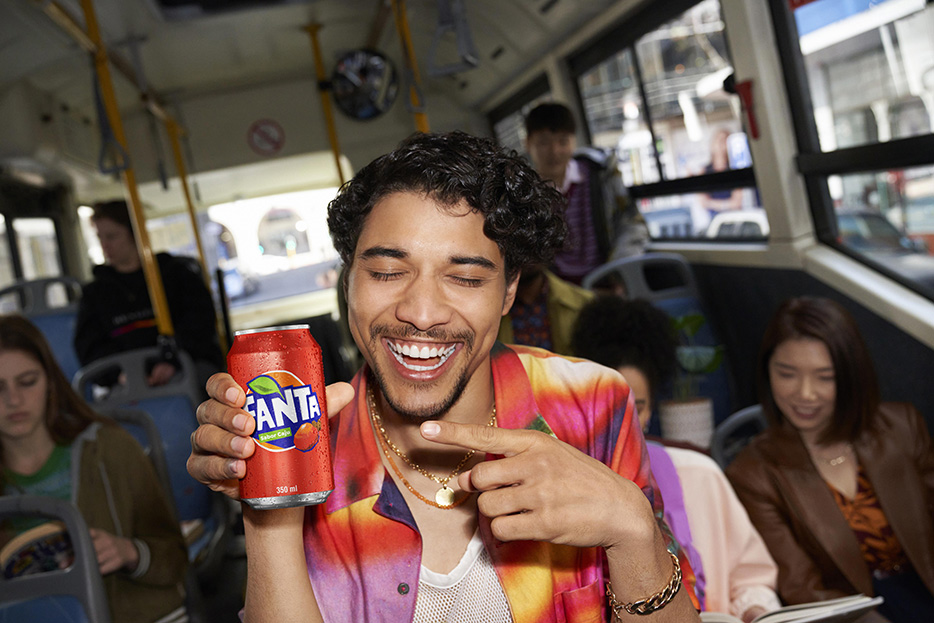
[[363, 548]]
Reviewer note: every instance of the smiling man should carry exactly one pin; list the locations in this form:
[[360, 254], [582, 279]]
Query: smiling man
[[473, 481]]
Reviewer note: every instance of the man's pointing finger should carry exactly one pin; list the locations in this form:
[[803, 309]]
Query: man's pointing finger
[[481, 438]]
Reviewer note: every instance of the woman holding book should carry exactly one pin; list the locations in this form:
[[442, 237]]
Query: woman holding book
[[53, 444], [840, 486]]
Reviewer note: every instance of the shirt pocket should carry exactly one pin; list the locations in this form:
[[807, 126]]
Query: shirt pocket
[[582, 605]]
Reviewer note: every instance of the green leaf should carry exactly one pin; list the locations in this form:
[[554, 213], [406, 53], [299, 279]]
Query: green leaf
[[265, 385], [690, 324], [699, 359]]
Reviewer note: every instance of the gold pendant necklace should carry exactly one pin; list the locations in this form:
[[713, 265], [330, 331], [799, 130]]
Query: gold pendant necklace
[[444, 497], [837, 460]]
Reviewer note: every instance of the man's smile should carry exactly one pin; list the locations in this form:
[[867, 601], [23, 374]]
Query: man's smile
[[404, 352]]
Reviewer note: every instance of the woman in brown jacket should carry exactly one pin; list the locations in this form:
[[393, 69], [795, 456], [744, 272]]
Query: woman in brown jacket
[[840, 486]]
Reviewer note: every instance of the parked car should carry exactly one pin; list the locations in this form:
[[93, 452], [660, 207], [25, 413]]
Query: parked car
[[873, 236], [749, 224], [238, 283]]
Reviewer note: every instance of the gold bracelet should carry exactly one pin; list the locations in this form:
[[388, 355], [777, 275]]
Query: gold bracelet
[[649, 605]]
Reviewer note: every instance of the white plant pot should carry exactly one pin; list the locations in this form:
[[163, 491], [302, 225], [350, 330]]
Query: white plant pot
[[690, 421]]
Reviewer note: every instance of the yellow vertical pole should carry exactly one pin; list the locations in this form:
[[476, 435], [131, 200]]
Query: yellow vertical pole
[[174, 131], [312, 30], [405, 36], [150, 268]]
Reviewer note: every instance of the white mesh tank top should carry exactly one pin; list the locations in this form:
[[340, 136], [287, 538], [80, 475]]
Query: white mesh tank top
[[470, 592]]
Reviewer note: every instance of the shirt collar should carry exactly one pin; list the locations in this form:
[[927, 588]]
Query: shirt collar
[[358, 469], [572, 175]]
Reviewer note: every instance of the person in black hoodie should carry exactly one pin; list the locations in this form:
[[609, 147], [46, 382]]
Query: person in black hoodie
[[116, 314]]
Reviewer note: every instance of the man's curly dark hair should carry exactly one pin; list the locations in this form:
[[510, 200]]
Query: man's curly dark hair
[[617, 332], [522, 214]]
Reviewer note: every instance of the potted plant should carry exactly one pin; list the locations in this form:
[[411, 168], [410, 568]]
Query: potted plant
[[688, 416]]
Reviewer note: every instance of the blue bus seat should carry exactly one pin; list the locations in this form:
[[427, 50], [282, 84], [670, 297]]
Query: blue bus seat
[[51, 304], [75, 594], [141, 425], [171, 408], [733, 433], [667, 281]]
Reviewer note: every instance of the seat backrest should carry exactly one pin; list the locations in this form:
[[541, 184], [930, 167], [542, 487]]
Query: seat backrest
[[667, 281], [141, 425], [48, 295], [171, 407], [73, 594], [650, 276], [51, 304], [733, 433], [171, 410]]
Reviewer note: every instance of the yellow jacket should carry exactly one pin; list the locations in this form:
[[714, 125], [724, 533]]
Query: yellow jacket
[[565, 301]]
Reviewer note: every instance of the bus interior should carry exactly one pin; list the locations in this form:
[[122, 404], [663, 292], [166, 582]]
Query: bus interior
[[244, 117]]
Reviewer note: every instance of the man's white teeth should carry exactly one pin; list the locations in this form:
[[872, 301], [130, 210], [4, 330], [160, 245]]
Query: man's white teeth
[[424, 353]]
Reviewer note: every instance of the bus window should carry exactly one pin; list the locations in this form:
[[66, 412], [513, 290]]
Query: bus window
[[696, 123], [274, 247], [658, 100], [887, 218], [508, 120], [686, 216], [869, 69], [616, 118], [864, 115], [38, 247]]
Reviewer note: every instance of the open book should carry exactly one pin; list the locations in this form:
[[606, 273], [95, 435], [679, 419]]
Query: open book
[[840, 610], [46, 547]]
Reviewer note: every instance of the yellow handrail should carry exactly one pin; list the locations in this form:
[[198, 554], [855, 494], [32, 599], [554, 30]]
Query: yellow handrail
[[312, 30], [137, 218], [405, 36]]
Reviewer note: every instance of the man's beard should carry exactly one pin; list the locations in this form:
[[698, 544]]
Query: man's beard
[[432, 411]]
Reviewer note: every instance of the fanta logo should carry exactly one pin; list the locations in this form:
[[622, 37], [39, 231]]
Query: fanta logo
[[281, 412]]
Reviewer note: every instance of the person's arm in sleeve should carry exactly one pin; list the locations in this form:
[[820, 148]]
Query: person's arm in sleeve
[[922, 450], [154, 528], [193, 313], [718, 517], [799, 578]]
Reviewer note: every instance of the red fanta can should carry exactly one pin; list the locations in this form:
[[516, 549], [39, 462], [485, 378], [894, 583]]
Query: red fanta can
[[280, 369]]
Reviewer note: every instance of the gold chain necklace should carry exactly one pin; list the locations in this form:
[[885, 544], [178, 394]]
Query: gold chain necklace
[[837, 460], [444, 497]]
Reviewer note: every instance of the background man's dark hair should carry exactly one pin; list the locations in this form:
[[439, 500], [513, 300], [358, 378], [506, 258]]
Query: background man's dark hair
[[550, 116], [522, 214], [115, 210]]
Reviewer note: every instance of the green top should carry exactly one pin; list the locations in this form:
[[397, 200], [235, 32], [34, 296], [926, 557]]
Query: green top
[[52, 480]]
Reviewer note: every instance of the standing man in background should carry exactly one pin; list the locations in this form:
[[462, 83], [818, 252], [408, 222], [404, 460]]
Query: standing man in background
[[602, 223]]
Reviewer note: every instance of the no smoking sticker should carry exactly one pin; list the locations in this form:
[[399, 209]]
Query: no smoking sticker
[[266, 137]]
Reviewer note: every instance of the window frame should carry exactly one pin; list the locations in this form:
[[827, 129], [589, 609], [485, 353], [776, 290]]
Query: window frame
[[625, 34], [536, 88], [816, 165]]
